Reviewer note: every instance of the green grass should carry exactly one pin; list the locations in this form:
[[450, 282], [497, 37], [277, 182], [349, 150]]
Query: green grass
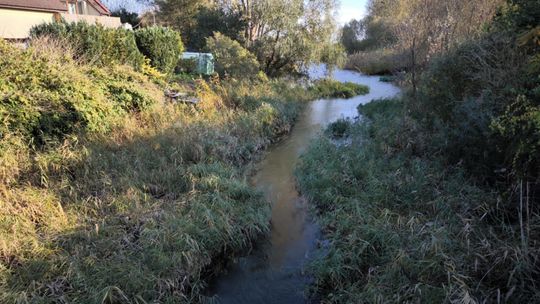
[[406, 227], [328, 88], [132, 199]]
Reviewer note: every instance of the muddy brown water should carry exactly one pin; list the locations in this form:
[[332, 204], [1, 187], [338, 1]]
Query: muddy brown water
[[275, 271]]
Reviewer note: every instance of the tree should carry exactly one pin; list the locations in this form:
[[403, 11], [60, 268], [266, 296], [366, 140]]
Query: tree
[[333, 56], [215, 19], [163, 46], [127, 16], [285, 35], [231, 58], [416, 31], [351, 35], [181, 15]]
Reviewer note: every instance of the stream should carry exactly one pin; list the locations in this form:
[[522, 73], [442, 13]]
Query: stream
[[274, 271]]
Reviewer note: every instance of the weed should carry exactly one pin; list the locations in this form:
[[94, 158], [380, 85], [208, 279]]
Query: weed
[[110, 194], [407, 228]]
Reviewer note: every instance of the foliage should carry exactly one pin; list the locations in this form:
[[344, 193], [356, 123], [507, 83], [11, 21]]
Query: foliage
[[161, 45], [403, 226], [187, 65], [231, 58], [94, 43], [419, 31], [215, 19], [351, 34], [181, 15], [285, 35], [129, 199], [339, 128], [328, 88], [42, 100], [288, 35], [519, 122], [127, 16], [333, 56], [450, 169], [480, 100]]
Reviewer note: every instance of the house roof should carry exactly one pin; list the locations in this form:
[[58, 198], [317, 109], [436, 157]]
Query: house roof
[[39, 5], [97, 4], [50, 5]]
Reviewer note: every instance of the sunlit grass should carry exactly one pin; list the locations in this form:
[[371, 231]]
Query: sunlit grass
[[141, 205]]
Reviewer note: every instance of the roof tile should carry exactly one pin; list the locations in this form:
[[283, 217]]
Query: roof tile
[[42, 5]]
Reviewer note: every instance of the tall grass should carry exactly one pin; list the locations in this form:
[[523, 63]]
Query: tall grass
[[377, 62], [133, 199], [403, 227]]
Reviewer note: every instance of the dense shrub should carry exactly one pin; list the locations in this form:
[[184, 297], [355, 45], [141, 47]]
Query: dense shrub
[[128, 89], [163, 46], [403, 227], [94, 43], [44, 97], [231, 58], [483, 115], [334, 89]]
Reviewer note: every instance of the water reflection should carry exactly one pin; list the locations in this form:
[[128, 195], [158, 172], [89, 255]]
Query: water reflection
[[274, 273]]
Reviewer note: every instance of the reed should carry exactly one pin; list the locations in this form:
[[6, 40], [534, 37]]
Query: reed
[[405, 227], [111, 194]]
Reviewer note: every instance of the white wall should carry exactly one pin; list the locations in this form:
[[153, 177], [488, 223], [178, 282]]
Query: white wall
[[16, 24], [106, 21]]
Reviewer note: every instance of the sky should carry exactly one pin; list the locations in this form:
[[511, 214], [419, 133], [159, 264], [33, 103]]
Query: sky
[[352, 9]]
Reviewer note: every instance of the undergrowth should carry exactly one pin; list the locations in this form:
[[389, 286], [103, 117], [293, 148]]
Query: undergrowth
[[111, 194], [403, 227]]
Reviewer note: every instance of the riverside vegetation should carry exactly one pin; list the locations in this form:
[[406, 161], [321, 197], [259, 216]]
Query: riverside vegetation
[[111, 194], [432, 197]]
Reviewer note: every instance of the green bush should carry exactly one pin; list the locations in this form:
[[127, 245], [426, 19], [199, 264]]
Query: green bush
[[44, 99], [231, 58], [163, 46], [127, 89], [94, 43], [482, 115], [328, 88]]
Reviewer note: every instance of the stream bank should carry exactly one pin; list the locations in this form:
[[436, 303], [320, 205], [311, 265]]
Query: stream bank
[[274, 272]]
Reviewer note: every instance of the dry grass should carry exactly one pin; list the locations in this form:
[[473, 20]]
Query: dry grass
[[377, 62], [138, 203]]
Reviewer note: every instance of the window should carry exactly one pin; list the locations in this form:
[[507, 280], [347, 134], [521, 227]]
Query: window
[[81, 7], [72, 8]]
